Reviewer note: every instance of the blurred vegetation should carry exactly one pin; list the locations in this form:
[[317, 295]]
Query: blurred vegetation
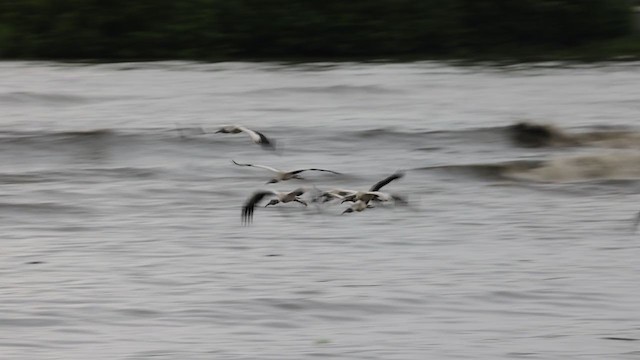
[[233, 29]]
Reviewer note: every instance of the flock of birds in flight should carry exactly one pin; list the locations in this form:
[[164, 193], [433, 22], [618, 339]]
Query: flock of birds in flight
[[360, 200], [525, 134]]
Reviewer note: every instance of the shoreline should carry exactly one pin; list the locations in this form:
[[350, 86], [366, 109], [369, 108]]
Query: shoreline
[[616, 50]]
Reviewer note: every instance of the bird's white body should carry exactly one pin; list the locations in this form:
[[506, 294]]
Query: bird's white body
[[281, 175]]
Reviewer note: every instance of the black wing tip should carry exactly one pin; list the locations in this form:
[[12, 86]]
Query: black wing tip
[[331, 171], [240, 164], [247, 215], [250, 204], [263, 139], [265, 142], [382, 183], [313, 169]]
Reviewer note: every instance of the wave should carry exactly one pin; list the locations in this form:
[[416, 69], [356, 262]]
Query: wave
[[26, 178], [582, 168], [201, 135], [333, 90], [120, 172], [42, 208], [614, 166], [69, 174], [488, 171], [38, 137], [500, 137], [528, 134], [389, 131], [26, 135], [93, 142], [524, 134], [35, 98], [430, 140]]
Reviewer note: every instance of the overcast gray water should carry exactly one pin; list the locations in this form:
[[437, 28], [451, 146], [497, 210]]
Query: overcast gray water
[[122, 235]]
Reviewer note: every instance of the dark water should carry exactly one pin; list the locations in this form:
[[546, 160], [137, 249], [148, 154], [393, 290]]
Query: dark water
[[122, 236]]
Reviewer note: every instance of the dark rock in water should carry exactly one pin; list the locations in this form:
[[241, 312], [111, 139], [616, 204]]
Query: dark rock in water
[[531, 135], [34, 262]]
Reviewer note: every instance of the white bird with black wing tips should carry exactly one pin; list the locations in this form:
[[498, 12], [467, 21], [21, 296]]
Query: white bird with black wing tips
[[280, 197], [256, 137], [281, 175], [374, 192]]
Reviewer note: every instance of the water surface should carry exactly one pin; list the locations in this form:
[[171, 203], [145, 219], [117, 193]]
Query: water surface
[[122, 236]]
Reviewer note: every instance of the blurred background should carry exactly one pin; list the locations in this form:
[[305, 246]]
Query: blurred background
[[515, 124], [216, 29]]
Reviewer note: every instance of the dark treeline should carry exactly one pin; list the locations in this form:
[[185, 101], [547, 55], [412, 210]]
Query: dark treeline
[[213, 29]]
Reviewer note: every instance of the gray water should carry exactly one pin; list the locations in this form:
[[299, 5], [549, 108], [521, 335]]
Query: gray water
[[122, 235]]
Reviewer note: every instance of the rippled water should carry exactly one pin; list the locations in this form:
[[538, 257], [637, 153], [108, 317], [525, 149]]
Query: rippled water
[[122, 237]]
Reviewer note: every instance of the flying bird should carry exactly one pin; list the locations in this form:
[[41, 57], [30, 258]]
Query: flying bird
[[377, 186], [374, 193], [329, 195], [355, 195], [284, 175], [379, 196], [256, 137], [358, 206], [280, 197]]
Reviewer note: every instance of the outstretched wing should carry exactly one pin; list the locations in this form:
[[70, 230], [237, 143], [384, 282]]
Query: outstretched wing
[[298, 192], [384, 182], [258, 166], [257, 137], [250, 204], [301, 170], [375, 195]]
